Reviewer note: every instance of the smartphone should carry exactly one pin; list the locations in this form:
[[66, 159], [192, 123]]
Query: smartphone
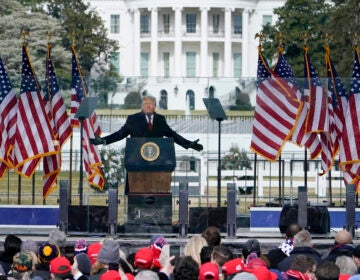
[[174, 250]]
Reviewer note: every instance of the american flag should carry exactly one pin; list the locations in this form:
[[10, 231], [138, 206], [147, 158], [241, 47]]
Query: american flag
[[60, 123], [350, 150], [34, 137], [276, 111], [318, 115], [8, 110], [91, 126]]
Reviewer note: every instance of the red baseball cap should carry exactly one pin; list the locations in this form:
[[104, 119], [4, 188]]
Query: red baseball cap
[[110, 275], [209, 271], [144, 258], [263, 273], [93, 252], [60, 265], [233, 266]]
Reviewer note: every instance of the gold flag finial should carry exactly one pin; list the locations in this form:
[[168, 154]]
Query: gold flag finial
[[327, 37], [305, 36], [24, 35], [261, 36], [355, 38], [280, 37], [72, 38], [49, 35]]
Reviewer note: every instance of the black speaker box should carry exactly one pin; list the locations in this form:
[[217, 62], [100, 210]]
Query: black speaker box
[[203, 217], [150, 208], [88, 219], [318, 218]]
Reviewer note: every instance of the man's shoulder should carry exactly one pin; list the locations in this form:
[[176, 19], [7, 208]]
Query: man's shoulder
[[136, 115]]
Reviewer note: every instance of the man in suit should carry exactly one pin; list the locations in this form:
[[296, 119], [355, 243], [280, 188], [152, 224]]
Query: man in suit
[[146, 123]]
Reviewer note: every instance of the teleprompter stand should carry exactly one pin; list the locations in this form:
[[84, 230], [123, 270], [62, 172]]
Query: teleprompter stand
[[84, 111], [216, 112]]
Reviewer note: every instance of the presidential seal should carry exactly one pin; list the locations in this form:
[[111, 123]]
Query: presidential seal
[[150, 151]]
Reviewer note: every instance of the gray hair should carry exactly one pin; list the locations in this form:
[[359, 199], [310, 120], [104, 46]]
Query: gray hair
[[303, 239], [149, 97], [346, 265], [147, 275]]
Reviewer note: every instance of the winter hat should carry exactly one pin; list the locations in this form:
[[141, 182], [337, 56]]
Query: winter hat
[[80, 246], [93, 252], [144, 258], [255, 263], [109, 252], [262, 273], [60, 265], [130, 276], [84, 264], [29, 246], [110, 275], [244, 276], [47, 252], [23, 261], [233, 266], [209, 271], [57, 237]]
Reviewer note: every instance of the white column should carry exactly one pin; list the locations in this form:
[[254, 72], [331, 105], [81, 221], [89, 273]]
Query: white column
[[227, 44], [177, 43], [154, 43], [204, 42], [137, 47], [245, 43]]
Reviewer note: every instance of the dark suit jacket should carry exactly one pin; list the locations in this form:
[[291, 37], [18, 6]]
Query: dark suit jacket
[[136, 126]]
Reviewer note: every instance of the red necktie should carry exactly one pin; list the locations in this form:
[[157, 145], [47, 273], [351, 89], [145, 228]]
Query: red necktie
[[150, 124]]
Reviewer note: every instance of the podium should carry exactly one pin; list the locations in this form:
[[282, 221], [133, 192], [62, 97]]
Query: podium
[[149, 163]]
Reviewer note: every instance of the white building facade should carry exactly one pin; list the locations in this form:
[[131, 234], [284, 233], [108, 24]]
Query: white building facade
[[181, 51]]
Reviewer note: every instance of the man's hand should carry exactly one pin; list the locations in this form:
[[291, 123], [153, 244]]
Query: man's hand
[[196, 146], [97, 140]]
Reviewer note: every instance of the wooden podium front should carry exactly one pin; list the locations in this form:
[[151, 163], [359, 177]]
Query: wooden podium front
[[149, 181], [149, 163]]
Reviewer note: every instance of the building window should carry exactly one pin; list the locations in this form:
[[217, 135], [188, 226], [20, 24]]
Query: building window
[[190, 99], [166, 59], [215, 64], [166, 19], [267, 20], [190, 64], [163, 99], [115, 24], [216, 22], [190, 23], [144, 64], [237, 24], [115, 61], [144, 23], [237, 64]]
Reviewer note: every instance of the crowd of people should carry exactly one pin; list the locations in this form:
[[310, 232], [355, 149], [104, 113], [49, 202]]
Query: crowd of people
[[204, 257]]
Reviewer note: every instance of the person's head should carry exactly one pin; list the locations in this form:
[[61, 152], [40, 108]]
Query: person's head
[[57, 237], [29, 245], [343, 237], [48, 252], [109, 252], [251, 246], [12, 244], [23, 262], [304, 264], [186, 268], [110, 275], [60, 268], [148, 104], [80, 246], [209, 271], [82, 263], [303, 239], [221, 254], [193, 247], [146, 275], [205, 254], [233, 266], [327, 271], [93, 251], [144, 258], [212, 236], [291, 230], [346, 265]]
